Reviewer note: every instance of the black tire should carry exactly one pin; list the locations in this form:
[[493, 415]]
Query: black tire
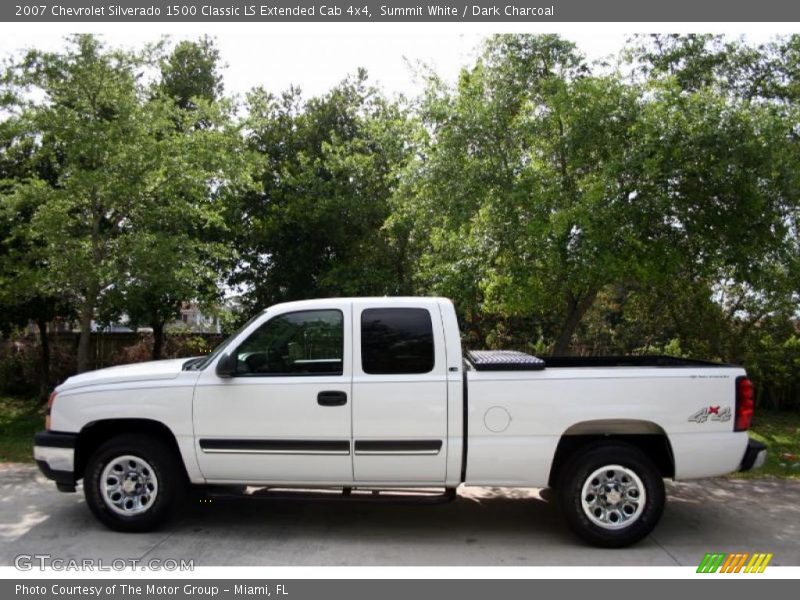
[[585, 463], [170, 476]]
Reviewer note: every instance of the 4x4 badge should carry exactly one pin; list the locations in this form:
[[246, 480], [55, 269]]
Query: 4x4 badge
[[711, 413]]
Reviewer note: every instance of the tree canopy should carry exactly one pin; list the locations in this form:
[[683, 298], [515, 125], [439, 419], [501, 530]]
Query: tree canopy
[[647, 204]]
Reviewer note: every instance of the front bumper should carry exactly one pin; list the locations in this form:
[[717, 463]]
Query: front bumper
[[754, 456], [55, 455]]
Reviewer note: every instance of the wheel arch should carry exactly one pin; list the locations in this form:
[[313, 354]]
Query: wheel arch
[[647, 436], [94, 434]]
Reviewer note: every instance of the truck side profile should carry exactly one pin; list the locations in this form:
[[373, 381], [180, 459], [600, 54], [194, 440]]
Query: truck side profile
[[372, 394]]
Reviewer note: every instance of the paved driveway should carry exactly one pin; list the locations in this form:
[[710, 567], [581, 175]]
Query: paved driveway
[[481, 527]]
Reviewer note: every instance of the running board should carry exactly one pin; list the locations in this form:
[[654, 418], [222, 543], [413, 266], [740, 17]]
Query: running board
[[347, 494]]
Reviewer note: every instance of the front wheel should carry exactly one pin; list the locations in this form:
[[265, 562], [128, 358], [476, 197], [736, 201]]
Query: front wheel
[[611, 495], [133, 483]]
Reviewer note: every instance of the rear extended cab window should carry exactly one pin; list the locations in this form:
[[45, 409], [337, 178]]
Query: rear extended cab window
[[396, 341]]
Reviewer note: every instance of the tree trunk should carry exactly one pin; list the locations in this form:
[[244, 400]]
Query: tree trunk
[[44, 381], [576, 308], [158, 339], [85, 337]]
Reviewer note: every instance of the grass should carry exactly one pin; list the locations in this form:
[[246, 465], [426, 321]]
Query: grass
[[781, 432], [19, 420]]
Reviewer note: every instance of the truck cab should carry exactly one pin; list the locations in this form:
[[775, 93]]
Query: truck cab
[[333, 392]]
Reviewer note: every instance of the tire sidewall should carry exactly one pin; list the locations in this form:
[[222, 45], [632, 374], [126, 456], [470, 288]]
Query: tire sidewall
[[158, 456], [571, 491]]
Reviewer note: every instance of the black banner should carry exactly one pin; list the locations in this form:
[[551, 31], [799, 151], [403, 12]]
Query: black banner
[[344, 589], [522, 11]]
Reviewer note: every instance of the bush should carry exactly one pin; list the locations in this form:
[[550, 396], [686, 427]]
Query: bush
[[19, 374]]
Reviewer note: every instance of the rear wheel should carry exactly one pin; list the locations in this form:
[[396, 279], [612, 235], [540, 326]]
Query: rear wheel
[[133, 483], [611, 494]]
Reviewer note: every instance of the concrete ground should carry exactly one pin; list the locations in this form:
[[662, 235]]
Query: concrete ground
[[482, 526]]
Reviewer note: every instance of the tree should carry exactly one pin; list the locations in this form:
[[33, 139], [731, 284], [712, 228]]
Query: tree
[[190, 74], [180, 251], [24, 296], [723, 155], [528, 166], [542, 185], [326, 169], [117, 158]]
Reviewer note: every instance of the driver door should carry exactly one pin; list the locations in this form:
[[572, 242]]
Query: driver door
[[284, 417]]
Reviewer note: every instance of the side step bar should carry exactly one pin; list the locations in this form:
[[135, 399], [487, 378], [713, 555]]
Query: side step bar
[[344, 494]]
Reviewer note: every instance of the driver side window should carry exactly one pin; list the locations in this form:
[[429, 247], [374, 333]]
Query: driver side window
[[309, 342]]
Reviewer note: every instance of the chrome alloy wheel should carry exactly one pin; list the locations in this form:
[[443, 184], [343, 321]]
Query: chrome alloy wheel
[[128, 485], [613, 497]]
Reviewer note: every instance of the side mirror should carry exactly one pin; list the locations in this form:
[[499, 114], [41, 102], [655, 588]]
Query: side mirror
[[226, 366]]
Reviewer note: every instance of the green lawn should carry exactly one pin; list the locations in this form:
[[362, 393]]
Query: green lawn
[[19, 420], [781, 432]]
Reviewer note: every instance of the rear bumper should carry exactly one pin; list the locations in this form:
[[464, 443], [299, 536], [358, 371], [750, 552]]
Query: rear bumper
[[55, 455], [754, 456]]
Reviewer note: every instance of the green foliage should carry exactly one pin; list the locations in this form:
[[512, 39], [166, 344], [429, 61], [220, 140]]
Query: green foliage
[[326, 169], [130, 218], [19, 420], [566, 207], [528, 186], [772, 356], [190, 74], [96, 132], [180, 250], [18, 373], [780, 430], [572, 211], [21, 297]]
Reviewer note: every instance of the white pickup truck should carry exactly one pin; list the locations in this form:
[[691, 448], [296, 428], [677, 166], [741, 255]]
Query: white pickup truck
[[368, 395]]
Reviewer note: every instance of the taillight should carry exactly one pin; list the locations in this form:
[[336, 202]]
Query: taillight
[[745, 404], [50, 402]]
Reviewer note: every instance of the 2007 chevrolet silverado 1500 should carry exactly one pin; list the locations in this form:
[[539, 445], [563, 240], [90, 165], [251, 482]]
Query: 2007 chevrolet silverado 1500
[[374, 393]]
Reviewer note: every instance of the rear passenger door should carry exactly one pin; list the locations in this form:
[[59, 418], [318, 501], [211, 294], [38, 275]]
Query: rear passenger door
[[399, 392]]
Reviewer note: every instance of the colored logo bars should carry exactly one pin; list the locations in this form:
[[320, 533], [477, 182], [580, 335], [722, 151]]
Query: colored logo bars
[[744, 562]]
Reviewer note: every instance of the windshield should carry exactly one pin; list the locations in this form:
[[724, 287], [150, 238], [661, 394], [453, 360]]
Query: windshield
[[196, 364]]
